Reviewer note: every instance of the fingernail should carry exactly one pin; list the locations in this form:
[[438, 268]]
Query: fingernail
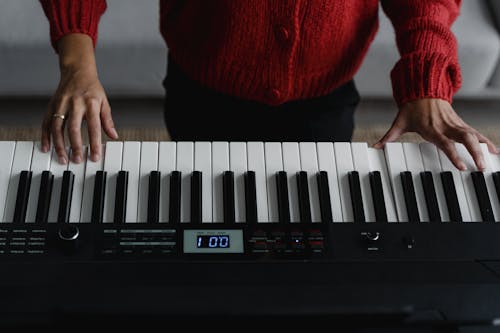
[[62, 160], [115, 133], [95, 156], [481, 164], [77, 159], [463, 167], [45, 149]]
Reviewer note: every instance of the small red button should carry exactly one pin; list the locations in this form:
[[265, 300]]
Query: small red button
[[282, 33], [276, 94]]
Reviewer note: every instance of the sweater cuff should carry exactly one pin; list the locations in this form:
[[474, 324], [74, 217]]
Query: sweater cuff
[[73, 16], [424, 75]]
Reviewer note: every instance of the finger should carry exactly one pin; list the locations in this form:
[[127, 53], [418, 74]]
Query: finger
[[392, 134], [57, 131], [45, 140], [107, 121], [94, 129], [471, 142], [46, 127], [491, 146], [74, 124], [448, 147]]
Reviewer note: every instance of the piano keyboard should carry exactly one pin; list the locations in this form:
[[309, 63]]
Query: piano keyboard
[[176, 228], [254, 182]]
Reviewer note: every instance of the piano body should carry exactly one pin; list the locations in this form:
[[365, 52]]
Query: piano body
[[218, 231]]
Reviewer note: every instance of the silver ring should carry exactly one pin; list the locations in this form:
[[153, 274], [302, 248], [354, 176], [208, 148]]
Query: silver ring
[[56, 115]]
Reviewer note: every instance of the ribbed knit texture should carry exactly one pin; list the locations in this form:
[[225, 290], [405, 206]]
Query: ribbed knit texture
[[274, 51], [73, 16]]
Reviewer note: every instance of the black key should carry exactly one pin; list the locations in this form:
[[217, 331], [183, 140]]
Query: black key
[[410, 197], [378, 196], [23, 191], [120, 213], [43, 205], [174, 212], [482, 196], [304, 200], [430, 196], [324, 197], [228, 196], [98, 198], [450, 193], [250, 197], [496, 180], [283, 202], [356, 197], [66, 195], [196, 197], [154, 197]]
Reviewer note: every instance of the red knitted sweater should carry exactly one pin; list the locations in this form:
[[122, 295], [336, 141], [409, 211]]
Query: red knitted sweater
[[274, 51]]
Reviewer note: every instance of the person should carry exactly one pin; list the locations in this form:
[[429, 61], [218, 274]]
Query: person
[[269, 71]]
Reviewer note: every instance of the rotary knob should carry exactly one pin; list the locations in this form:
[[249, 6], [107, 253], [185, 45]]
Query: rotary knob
[[68, 237], [372, 236]]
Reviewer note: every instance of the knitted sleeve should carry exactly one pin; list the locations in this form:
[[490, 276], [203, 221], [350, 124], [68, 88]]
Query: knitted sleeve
[[73, 16], [429, 57]]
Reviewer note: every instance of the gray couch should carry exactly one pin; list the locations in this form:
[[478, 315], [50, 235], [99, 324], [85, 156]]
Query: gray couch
[[132, 57]]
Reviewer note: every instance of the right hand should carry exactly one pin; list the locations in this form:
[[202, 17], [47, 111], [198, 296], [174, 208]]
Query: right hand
[[79, 96]]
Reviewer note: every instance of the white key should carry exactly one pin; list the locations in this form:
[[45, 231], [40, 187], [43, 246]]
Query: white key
[[40, 162], [185, 164], [395, 159], [149, 162], [166, 164], [203, 163], [343, 159], [490, 185], [132, 163], [470, 192], [77, 195], [91, 169], [7, 148], [378, 163], [430, 157], [361, 163], [291, 164], [447, 165], [309, 163], [495, 161], [415, 165], [256, 163], [22, 161], [57, 170], [112, 165], [238, 165], [326, 162], [220, 163], [274, 163]]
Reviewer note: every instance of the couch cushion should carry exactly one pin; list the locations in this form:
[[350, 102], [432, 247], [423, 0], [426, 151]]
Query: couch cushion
[[494, 6], [479, 49]]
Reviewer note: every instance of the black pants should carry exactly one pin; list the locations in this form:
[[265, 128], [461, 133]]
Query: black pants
[[196, 113]]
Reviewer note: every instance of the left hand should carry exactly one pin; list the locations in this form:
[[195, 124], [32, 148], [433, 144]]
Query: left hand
[[436, 121]]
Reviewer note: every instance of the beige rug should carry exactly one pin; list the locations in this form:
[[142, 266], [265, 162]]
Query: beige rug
[[369, 135]]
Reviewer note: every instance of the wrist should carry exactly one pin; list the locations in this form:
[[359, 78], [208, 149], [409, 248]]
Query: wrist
[[76, 53]]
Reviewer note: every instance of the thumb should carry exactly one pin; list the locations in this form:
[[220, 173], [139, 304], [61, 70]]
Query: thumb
[[391, 135]]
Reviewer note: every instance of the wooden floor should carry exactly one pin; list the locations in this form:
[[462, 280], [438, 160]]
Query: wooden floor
[[142, 119]]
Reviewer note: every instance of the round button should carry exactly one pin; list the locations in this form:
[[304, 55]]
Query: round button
[[282, 33], [276, 94], [69, 232]]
